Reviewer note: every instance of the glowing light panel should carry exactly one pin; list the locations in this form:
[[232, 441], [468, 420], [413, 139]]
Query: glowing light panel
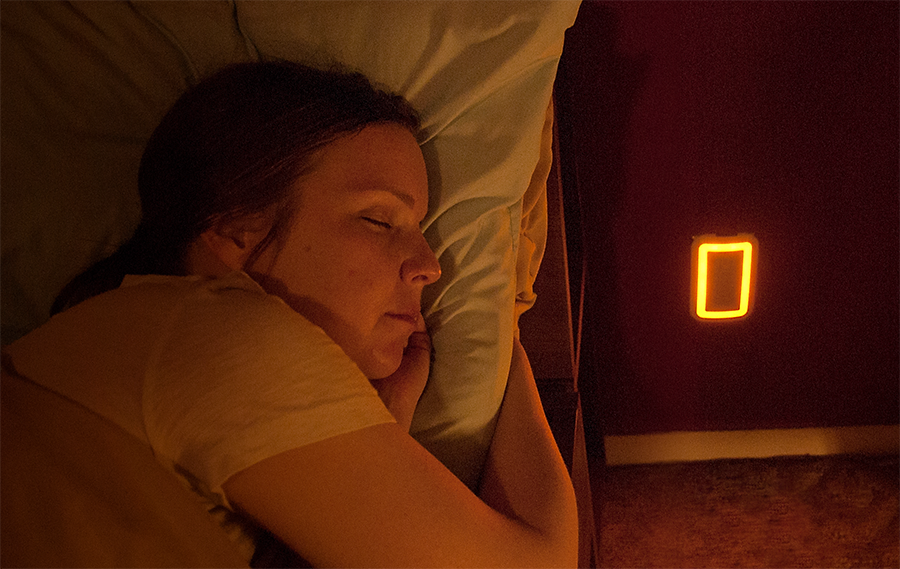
[[723, 276]]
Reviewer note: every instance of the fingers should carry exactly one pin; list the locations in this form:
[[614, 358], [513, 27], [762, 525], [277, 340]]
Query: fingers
[[418, 341], [420, 324]]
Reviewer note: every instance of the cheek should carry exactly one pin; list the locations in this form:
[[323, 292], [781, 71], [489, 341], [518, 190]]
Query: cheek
[[356, 287], [367, 266], [353, 273]]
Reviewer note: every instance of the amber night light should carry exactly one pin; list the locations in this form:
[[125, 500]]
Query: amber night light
[[723, 276]]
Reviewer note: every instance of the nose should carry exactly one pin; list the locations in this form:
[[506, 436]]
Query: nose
[[422, 266]]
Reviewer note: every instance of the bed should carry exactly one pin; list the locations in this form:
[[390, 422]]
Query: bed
[[84, 84]]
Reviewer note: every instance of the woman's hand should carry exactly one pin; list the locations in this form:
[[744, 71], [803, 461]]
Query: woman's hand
[[401, 390]]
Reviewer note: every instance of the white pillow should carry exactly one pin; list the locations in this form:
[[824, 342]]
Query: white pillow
[[84, 84]]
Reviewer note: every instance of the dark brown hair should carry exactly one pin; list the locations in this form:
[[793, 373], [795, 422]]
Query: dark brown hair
[[232, 146]]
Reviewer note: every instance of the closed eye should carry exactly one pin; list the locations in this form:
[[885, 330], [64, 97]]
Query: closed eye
[[378, 223]]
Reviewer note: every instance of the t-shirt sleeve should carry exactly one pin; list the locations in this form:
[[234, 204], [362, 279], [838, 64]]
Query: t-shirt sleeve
[[241, 377]]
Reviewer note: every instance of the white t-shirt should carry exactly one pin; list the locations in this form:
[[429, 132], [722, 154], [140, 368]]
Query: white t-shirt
[[214, 374]]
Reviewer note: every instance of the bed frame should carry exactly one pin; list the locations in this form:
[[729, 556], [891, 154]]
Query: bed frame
[[550, 332]]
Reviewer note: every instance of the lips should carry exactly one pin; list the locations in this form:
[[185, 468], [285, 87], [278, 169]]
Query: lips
[[410, 318]]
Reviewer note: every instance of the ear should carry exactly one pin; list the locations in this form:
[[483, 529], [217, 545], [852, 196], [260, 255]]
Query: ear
[[231, 242]]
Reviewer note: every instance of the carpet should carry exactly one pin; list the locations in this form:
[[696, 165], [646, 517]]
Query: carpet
[[825, 512]]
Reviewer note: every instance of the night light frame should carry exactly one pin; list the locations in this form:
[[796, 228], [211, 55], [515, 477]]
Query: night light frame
[[701, 248]]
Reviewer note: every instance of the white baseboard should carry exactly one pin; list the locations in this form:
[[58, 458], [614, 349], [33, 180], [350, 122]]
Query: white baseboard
[[713, 445]]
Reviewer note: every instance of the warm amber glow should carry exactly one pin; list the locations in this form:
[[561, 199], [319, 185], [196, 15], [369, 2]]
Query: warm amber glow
[[706, 248]]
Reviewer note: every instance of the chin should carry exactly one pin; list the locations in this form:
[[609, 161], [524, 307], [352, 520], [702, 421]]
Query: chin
[[382, 363]]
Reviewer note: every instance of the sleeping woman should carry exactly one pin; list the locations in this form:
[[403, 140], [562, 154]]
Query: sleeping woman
[[262, 332]]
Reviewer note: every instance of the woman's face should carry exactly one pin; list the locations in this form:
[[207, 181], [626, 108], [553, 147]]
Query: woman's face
[[354, 260]]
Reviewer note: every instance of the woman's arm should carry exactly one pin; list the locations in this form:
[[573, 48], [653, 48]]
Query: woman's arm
[[525, 476], [375, 497]]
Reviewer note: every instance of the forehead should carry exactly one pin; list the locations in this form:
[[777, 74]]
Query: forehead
[[380, 159]]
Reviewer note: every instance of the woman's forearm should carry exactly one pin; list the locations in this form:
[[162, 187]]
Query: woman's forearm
[[525, 476]]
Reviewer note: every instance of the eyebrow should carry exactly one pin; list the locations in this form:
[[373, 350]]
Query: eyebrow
[[400, 195]]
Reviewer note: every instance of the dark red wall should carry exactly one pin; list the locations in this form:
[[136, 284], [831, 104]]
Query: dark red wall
[[778, 119]]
